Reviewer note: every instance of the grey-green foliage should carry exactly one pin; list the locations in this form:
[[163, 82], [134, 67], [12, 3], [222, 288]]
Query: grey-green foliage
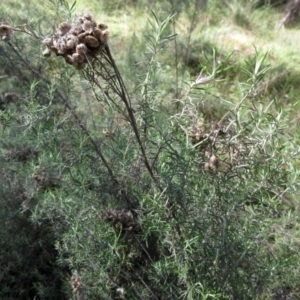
[[141, 200]]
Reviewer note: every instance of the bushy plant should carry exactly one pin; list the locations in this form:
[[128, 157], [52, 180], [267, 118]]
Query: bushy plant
[[142, 197]]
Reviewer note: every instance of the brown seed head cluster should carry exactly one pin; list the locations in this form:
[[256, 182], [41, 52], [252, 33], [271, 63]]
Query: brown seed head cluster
[[121, 220], [46, 181], [213, 162], [5, 32], [11, 97], [197, 132], [207, 136], [21, 154], [200, 132], [76, 283], [78, 42]]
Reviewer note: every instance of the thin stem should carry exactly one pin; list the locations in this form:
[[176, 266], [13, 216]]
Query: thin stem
[[123, 94], [79, 123]]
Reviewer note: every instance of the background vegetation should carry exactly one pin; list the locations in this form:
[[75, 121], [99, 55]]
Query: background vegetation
[[166, 168]]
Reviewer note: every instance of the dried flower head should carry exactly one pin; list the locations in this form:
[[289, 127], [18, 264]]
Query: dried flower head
[[206, 166], [105, 36], [97, 33], [78, 42], [76, 283], [63, 28], [72, 41], [69, 59], [102, 26], [92, 42], [79, 58], [6, 32], [214, 162], [48, 42], [88, 26], [11, 97], [47, 52], [76, 29], [81, 49], [88, 17]]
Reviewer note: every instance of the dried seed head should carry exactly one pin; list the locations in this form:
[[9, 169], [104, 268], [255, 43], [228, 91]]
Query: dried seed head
[[206, 166], [48, 42], [207, 154], [61, 50], [6, 32], [79, 19], [81, 49], [77, 40], [76, 283], [59, 46], [47, 52], [102, 26], [106, 132], [200, 123], [105, 35], [88, 17], [88, 26], [76, 29], [69, 59], [81, 36], [63, 28], [214, 162], [72, 41], [78, 58], [97, 33], [11, 97], [92, 42]]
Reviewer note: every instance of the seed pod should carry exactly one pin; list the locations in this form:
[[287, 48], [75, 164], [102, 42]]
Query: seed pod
[[90, 41], [97, 33], [82, 36], [200, 123], [47, 52], [76, 29], [81, 49], [10, 97], [87, 17], [105, 36], [6, 32], [78, 58], [72, 41], [214, 162], [207, 154], [69, 59], [63, 28], [48, 42], [102, 26], [206, 166], [88, 26]]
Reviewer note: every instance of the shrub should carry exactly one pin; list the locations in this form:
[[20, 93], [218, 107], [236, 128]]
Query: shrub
[[143, 200]]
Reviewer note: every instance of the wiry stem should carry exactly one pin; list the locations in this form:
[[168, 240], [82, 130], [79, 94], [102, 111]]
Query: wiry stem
[[79, 122], [123, 94]]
